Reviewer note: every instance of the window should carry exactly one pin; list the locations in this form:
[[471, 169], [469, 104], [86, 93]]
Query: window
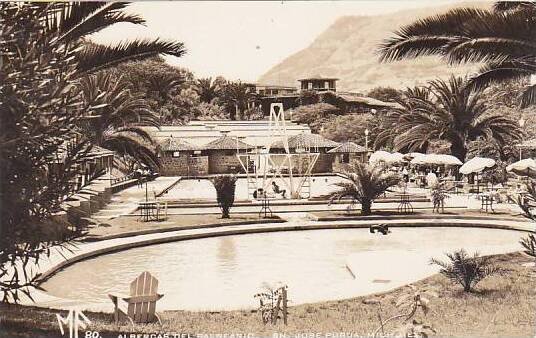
[[326, 85], [310, 85], [345, 158], [176, 154]]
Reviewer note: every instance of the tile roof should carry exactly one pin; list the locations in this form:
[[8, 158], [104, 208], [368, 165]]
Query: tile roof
[[175, 144], [306, 141], [348, 147], [226, 143]]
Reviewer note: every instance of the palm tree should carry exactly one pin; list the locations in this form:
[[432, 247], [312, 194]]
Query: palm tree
[[72, 22], [236, 96], [529, 245], [162, 86], [365, 184], [117, 118], [466, 270], [449, 111], [503, 39], [207, 89], [409, 100]]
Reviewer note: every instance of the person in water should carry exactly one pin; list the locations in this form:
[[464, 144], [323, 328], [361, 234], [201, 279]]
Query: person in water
[[382, 228]]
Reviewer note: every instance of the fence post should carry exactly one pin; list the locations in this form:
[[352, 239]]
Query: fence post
[[275, 312]]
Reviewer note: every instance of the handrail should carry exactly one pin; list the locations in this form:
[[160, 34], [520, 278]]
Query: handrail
[[114, 181]]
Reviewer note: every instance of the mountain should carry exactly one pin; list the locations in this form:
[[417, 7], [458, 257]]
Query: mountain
[[347, 50]]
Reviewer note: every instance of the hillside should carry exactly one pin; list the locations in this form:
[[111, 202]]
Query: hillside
[[346, 50]]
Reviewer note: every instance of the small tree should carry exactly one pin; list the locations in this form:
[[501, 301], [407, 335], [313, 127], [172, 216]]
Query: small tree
[[409, 304], [272, 301], [465, 270], [225, 186], [365, 184], [439, 195], [527, 202]]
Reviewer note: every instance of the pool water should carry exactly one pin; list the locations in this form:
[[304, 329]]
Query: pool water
[[225, 272], [202, 189]]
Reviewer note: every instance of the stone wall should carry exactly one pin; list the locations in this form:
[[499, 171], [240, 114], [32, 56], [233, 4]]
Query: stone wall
[[198, 165], [184, 165], [300, 164], [340, 166], [224, 164]]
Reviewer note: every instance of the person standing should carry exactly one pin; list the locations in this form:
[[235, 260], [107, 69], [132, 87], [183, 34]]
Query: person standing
[[431, 179], [405, 174]]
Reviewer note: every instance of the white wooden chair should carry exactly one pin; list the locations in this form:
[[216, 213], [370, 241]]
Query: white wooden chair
[[140, 305]]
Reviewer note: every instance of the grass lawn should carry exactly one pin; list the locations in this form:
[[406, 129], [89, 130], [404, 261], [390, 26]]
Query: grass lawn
[[502, 305], [126, 224]]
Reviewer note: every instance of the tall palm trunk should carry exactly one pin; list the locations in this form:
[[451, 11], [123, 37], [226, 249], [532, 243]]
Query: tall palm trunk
[[458, 149], [366, 207]]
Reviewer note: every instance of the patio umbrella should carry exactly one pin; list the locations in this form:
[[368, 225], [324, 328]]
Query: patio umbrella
[[476, 165], [526, 167], [444, 159], [419, 158], [436, 159], [395, 158], [379, 156], [410, 156]]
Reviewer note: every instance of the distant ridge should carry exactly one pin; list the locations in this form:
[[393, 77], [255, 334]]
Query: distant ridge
[[346, 50]]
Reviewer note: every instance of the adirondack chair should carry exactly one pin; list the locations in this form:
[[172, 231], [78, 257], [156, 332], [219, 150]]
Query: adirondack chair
[[140, 305]]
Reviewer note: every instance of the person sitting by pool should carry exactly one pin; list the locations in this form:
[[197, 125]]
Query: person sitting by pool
[[259, 193], [278, 190]]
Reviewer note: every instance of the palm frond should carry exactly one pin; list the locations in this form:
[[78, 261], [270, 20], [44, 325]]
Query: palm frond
[[79, 19], [97, 57], [135, 132], [528, 97], [413, 47], [506, 6], [429, 35], [489, 49], [529, 245], [499, 72], [127, 145]]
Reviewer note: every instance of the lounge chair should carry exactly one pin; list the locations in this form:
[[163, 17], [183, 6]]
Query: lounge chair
[[140, 305]]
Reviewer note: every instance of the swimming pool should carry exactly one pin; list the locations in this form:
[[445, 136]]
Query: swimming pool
[[225, 272], [202, 189]]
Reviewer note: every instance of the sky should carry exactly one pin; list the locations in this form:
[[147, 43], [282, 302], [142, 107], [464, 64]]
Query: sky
[[242, 40]]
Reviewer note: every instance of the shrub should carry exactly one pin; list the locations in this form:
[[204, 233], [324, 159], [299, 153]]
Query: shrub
[[439, 195], [529, 243], [225, 186], [271, 302], [40, 148], [409, 304], [465, 270], [527, 202]]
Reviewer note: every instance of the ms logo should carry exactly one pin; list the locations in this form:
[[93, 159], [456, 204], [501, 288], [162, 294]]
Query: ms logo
[[74, 320]]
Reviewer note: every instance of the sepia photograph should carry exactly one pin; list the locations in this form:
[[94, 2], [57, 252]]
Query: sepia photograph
[[282, 169]]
